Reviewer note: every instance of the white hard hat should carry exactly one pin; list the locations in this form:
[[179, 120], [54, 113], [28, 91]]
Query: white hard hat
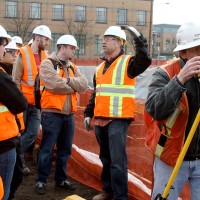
[[188, 36], [42, 30], [11, 45], [17, 39], [30, 42], [67, 39], [3, 34], [115, 31]]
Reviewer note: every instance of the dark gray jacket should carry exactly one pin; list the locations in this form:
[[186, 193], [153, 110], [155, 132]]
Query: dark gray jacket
[[164, 96]]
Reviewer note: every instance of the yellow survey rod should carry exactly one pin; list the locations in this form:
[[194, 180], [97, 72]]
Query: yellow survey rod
[[182, 155]]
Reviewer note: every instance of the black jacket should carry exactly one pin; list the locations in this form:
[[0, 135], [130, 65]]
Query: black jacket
[[13, 99]]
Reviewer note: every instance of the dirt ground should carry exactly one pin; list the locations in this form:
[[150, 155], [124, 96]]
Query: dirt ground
[[27, 189]]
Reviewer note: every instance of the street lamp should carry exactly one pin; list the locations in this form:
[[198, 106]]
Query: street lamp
[[154, 34], [151, 25]]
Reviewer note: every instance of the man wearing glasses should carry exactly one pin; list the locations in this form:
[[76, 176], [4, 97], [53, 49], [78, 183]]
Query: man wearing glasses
[[112, 105]]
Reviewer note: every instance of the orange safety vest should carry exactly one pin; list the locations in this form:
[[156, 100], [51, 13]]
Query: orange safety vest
[[1, 189], [30, 72], [51, 100], [115, 91], [166, 138], [8, 125]]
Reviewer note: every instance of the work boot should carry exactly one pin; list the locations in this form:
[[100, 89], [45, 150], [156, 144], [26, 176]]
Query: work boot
[[67, 185], [40, 188], [103, 196], [26, 170]]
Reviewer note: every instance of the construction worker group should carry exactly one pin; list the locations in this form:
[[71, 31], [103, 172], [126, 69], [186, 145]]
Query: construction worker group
[[173, 93]]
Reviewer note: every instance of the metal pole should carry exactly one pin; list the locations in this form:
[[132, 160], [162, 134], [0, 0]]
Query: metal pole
[[150, 28]]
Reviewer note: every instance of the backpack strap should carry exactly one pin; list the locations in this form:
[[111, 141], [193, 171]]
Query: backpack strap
[[72, 68], [55, 63]]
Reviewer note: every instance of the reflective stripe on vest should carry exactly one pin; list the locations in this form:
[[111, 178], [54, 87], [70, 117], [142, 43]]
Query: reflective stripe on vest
[[166, 132], [30, 72], [30, 80], [3, 109], [29, 69], [116, 90]]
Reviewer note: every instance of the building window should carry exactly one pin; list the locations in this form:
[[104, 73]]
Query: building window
[[81, 40], [101, 15], [80, 13], [11, 9], [98, 44], [58, 12], [167, 41], [35, 10], [141, 18], [158, 35], [122, 16], [55, 37]]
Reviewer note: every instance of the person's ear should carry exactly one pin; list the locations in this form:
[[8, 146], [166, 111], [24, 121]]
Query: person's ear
[[183, 54], [37, 38]]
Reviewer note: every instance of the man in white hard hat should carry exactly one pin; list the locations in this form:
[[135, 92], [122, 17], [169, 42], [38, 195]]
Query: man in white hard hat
[[24, 73], [12, 102], [112, 105], [173, 99], [61, 80], [18, 41]]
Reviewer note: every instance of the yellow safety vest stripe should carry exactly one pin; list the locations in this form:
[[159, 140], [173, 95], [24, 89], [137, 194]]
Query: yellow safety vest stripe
[[3, 109]]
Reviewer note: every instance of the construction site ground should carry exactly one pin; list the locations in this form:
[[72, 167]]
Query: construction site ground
[[26, 191]]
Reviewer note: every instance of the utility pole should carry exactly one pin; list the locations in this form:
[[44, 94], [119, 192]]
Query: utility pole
[[150, 28]]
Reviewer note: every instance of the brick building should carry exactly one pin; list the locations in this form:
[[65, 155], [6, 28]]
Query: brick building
[[85, 19], [164, 40]]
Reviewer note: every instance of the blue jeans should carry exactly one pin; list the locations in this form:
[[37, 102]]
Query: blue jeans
[[189, 170], [17, 173], [7, 164], [112, 142], [32, 127], [56, 129]]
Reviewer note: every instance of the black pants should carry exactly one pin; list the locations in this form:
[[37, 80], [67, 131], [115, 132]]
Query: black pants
[[17, 174]]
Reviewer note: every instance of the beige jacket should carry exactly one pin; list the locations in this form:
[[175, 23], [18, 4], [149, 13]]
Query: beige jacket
[[58, 85], [18, 71]]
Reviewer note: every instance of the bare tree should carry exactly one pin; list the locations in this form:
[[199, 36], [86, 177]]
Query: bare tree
[[81, 31], [22, 25]]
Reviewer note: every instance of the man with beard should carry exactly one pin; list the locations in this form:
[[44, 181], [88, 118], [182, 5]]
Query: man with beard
[[61, 81], [25, 71]]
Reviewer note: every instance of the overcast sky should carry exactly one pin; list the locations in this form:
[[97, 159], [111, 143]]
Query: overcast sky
[[175, 11]]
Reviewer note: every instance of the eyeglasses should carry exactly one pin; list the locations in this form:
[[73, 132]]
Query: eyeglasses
[[11, 51], [108, 39]]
